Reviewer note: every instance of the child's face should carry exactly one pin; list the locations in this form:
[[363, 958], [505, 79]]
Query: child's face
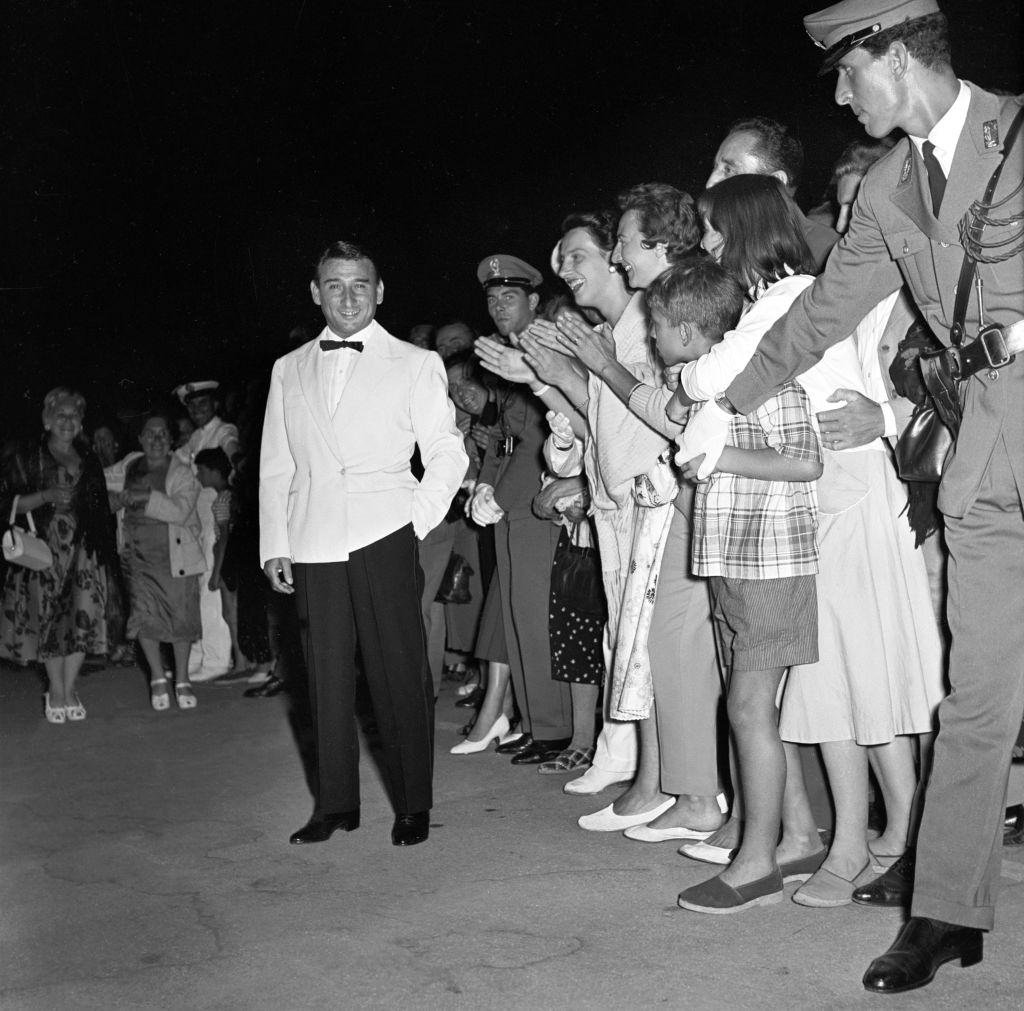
[[670, 340], [207, 476]]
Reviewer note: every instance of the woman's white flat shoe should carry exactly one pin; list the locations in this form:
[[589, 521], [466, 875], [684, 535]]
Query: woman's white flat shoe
[[77, 711], [644, 833], [707, 853], [606, 820], [497, 733]]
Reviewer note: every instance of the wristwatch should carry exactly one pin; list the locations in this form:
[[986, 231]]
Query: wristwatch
[[726, 404]]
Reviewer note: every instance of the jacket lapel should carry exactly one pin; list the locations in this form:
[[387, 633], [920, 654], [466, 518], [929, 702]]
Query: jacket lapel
[[913, 197], [316, 400], [374, 364]]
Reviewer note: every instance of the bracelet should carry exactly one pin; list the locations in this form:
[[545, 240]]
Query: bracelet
[[541, 391]]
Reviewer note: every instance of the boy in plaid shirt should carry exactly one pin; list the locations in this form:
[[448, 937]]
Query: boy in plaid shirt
[[754, 526]]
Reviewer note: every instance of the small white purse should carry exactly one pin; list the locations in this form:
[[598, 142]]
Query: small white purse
[[25, 547]]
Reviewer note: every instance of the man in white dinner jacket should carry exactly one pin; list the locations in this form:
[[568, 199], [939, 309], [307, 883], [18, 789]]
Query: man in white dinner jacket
[[340, 515]]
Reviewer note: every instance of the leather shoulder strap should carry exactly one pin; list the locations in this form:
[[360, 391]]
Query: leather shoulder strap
[[972, 236]]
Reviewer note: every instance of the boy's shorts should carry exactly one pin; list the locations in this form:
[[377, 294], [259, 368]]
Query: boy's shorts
[[765, 623]]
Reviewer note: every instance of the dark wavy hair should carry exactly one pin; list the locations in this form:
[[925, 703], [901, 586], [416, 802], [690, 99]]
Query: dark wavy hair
[[342, 250], [664, 214], [601, 225], [758, 222], [697, 290], [926, 39]]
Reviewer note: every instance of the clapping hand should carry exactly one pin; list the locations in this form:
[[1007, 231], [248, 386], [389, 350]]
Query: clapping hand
[[544, 355], [591, 347], [505, 361], [561, 429]]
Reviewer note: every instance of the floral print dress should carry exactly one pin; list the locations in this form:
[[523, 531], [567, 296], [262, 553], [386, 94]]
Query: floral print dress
[[60, 610]]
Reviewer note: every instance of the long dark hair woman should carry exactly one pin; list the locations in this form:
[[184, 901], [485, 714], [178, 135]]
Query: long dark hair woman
[[58, 615]]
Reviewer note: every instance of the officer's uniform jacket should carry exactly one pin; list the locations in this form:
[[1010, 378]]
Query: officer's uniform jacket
[[894, 237]]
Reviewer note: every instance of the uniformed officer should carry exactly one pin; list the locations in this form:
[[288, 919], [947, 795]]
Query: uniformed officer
[[525, 545], [917, 209], [211, 657]]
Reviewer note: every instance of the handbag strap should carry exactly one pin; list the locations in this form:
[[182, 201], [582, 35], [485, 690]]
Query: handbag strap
[[974, 233], [14, 514]]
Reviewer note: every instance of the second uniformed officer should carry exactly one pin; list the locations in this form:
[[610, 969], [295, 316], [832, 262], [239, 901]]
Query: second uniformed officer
[[525, 545]]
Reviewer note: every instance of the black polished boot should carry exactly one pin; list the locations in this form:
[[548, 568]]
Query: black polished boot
[[921, 947]]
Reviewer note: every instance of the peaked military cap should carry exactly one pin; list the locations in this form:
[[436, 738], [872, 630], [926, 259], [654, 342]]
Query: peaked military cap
[[187, 390], [843, 27], [501, 269]]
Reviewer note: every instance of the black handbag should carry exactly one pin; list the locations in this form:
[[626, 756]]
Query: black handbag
[[923, 446], [454, 588], [576, 577]]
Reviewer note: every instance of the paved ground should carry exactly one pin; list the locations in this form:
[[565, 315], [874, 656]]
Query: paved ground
[[146, 865]]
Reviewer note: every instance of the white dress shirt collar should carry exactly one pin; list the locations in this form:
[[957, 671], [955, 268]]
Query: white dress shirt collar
[[946, 132]]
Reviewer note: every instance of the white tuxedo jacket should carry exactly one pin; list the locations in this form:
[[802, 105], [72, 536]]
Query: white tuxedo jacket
[[330, 485]]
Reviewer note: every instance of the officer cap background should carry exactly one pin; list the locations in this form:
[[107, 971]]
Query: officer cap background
[[501, 269], [187, 390], [844, 26]]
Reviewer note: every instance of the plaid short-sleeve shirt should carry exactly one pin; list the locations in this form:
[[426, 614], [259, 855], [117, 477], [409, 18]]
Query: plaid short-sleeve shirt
[[745, 528]]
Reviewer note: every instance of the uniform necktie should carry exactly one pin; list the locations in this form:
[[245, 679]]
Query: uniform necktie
[[326, 345], [936, 177]]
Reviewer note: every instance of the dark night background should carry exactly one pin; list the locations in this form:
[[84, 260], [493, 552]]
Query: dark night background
[[171, 169]]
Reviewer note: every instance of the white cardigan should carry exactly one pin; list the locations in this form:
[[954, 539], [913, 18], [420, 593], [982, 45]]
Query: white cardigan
[[175, 506]]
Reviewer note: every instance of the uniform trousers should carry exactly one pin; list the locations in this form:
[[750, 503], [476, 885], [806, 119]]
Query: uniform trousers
[[212, 653], [434, 550], [684, 669], [525, 548], [371, 603], [959, 847]]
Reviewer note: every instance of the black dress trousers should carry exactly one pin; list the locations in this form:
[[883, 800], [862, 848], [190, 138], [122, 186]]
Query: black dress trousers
[[370, 602]]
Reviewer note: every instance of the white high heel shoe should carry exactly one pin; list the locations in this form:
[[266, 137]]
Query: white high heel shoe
[[497, 733]]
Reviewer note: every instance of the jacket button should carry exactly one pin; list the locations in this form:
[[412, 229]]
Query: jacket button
[[178, 540], [883, 347], [181, 572]]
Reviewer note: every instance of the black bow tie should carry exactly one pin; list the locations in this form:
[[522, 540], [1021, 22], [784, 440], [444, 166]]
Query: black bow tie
[[326, 345]]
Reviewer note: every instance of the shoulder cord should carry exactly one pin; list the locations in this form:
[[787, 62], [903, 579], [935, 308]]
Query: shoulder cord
[[972, 227]]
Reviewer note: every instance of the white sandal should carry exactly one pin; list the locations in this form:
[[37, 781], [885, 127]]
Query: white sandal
[[54, 714], [77, 711], [159, 696], [184, 695]]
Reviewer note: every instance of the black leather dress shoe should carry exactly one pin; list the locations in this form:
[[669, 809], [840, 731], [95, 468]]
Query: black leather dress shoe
[[266, 690], [410, 829], [321, 827], [1013, 826], [921, 947], [472, 700], [893, 888], [540, 751], [514, 747]]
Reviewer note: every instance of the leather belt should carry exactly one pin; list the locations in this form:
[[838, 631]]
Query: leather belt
[[995, 347]]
